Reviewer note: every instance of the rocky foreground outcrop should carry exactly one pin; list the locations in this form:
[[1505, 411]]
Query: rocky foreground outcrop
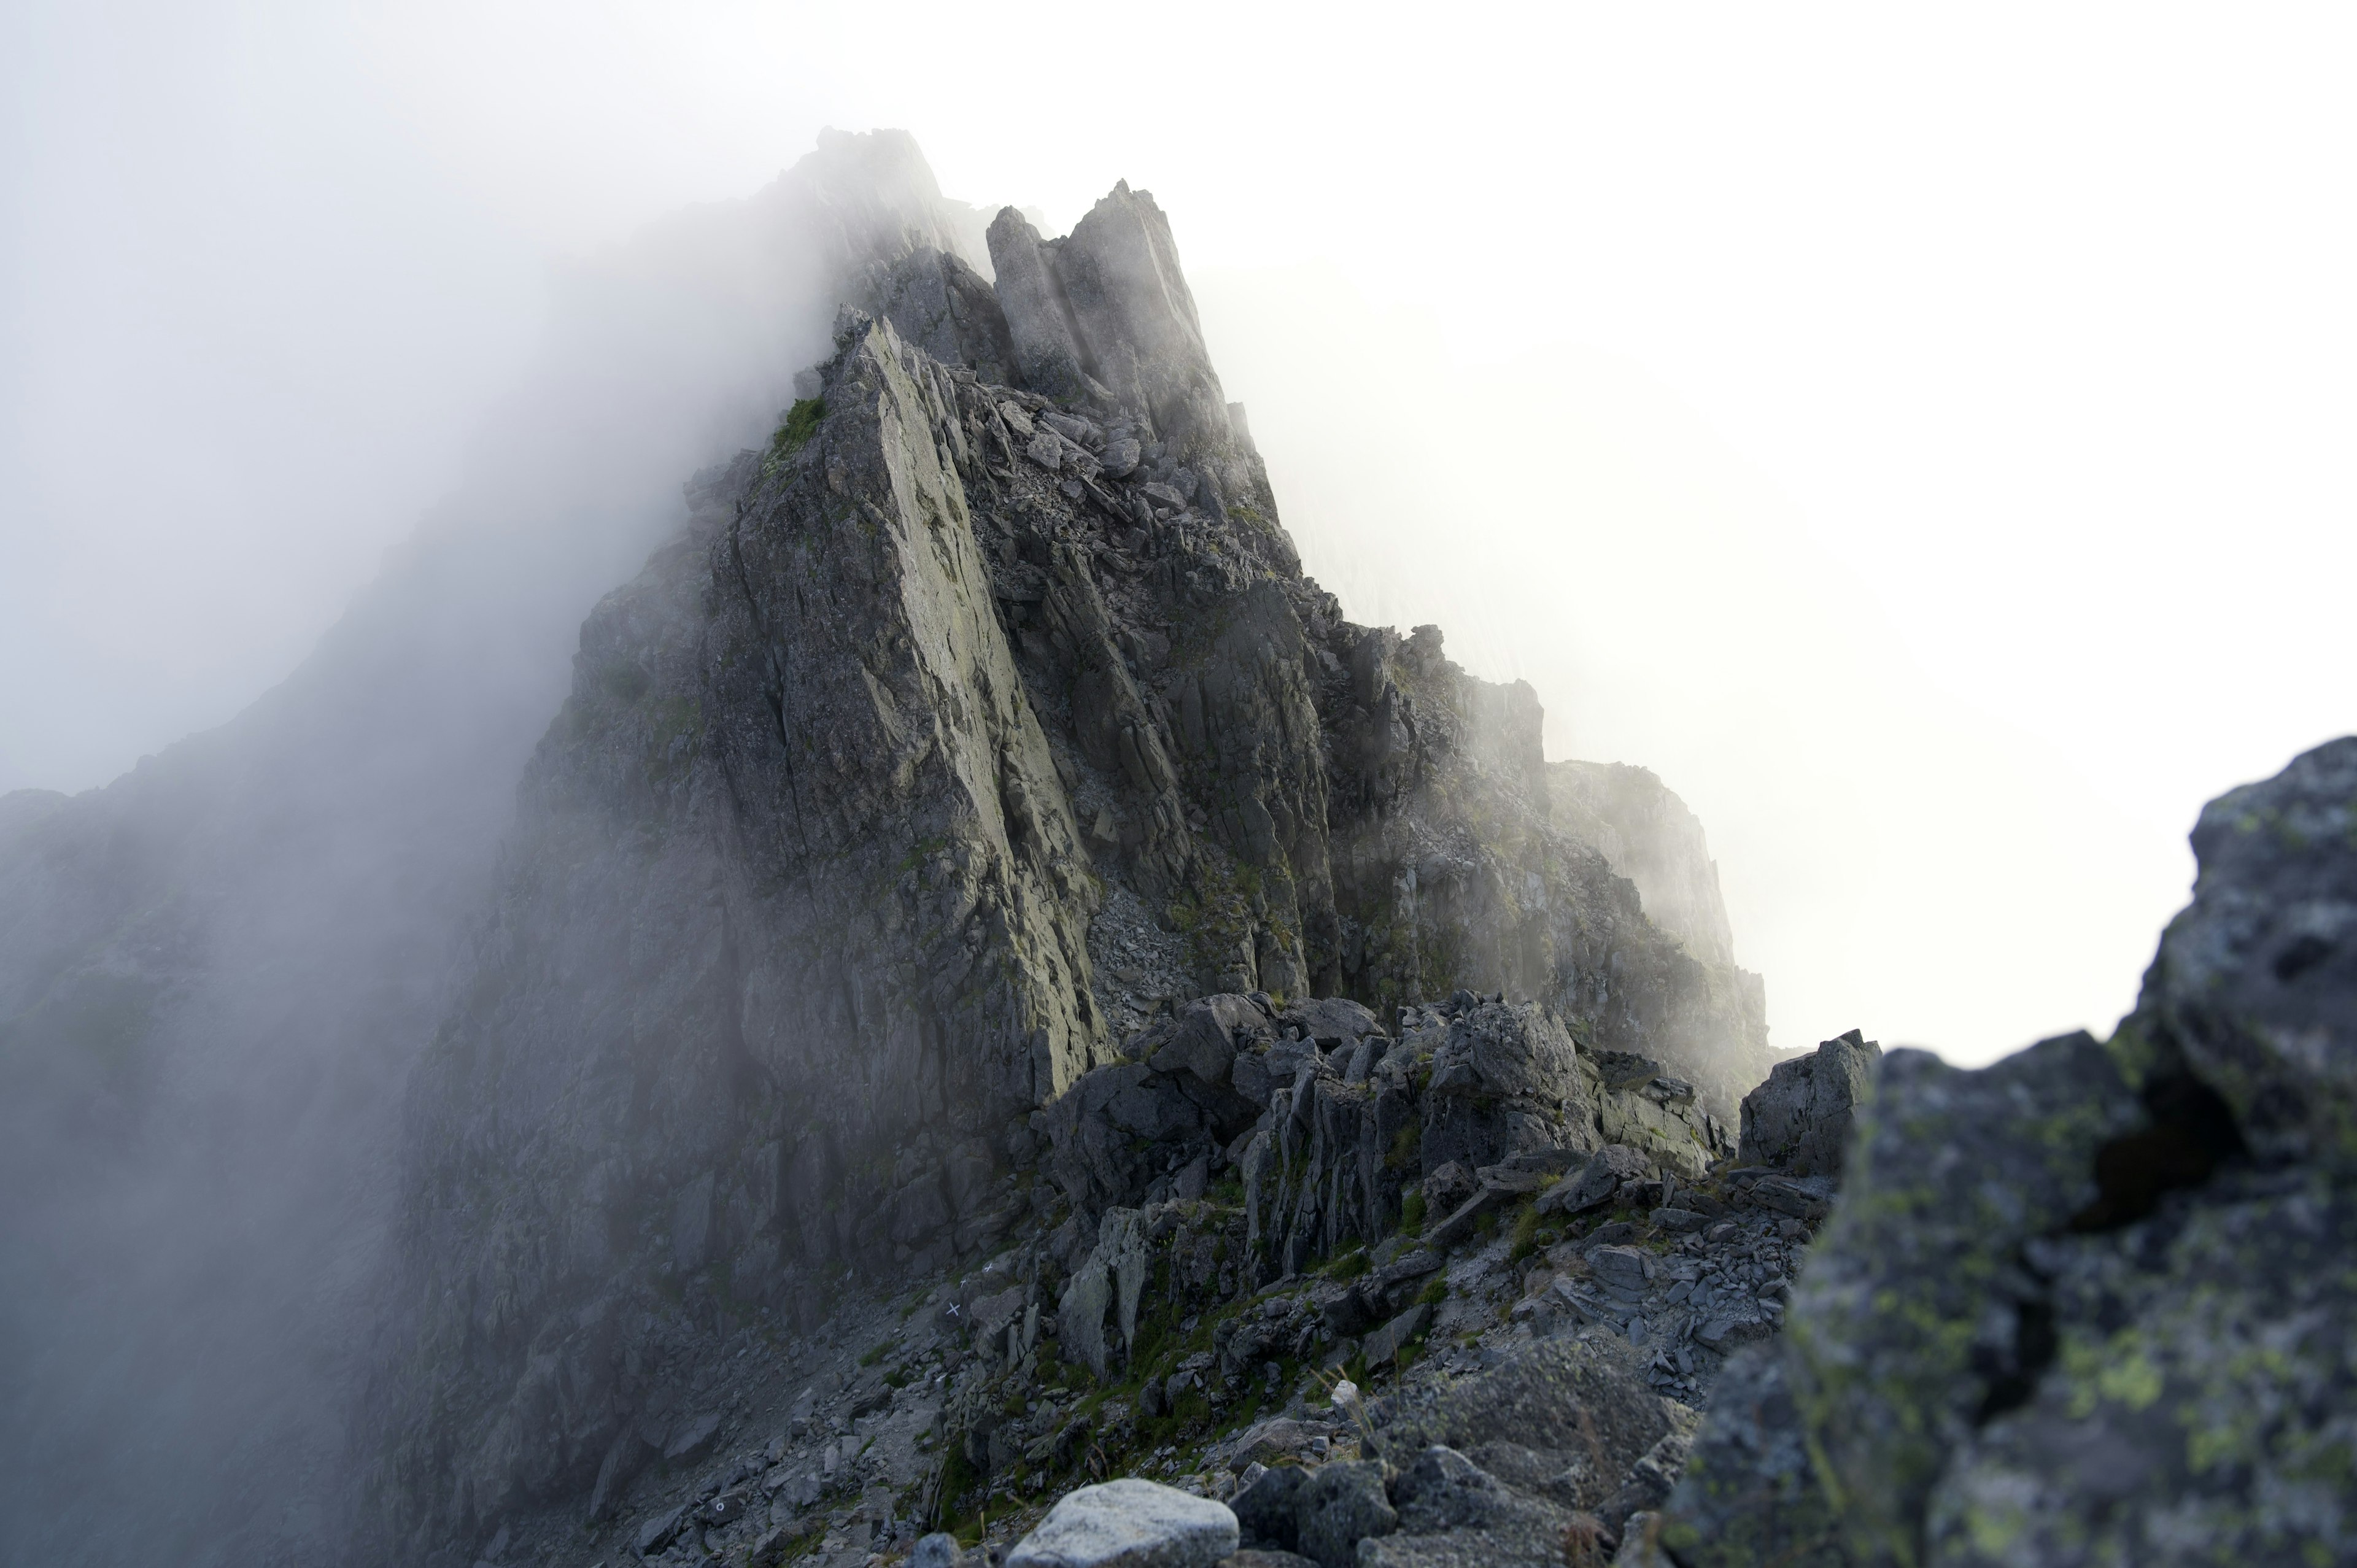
[[2092, 1305], [976, 786]]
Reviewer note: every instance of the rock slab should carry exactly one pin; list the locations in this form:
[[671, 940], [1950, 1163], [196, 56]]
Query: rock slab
[[1129, 1523]]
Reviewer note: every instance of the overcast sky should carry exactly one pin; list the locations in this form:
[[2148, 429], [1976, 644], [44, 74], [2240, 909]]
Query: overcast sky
[[1925, 441]]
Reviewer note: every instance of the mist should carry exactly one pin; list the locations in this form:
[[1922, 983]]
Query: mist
[[1921, 442]]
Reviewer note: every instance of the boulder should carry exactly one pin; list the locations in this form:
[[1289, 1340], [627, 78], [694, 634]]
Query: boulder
[[1799, 1119], [661, 1530], [2254, 986], [1454, 1514], [1330, 1021], [1129, 1523], [1749, 1494], [1264, 1508], [1448, 1187], [1385, 1343], [1337, 1507], [1595, 1183], [1582, 1402]]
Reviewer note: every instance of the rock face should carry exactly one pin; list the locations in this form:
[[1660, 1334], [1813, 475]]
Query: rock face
[[961, 730], [2091, 1303], [217, 971], [1651, 839], [1799, 1120]]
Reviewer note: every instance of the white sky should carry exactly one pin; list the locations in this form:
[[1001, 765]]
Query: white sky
[[1924, 439]]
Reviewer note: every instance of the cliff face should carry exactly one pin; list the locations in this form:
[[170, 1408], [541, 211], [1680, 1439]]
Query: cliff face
[[963, 726], [216, 973], [1651, 839]]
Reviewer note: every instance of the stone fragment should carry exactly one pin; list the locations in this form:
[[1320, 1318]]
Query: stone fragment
[[1265, 1509], [691, 1439], [1595, 1184], [661, 1530], [1129, 1523], [1446, 1187], [1799, 1119], [1338, 1506], [1385, 1343], [1120, 457], [1497, 1186], [1045, 450]]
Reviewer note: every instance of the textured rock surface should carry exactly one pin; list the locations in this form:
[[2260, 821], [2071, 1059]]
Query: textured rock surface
[[2090, 1304], [1651, 839], [1799, 1120], [1130, 1524]]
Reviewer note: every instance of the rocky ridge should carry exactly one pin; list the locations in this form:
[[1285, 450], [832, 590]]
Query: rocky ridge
[[1515, 1365], [966, 734], [2090, 1304]]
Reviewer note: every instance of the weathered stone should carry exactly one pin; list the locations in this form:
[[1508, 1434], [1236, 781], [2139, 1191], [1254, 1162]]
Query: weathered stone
[[1908, 1314], [1595, 1184], [1330, 1021], [1382, 1346], [1265, 1509], [1749, 1494], [1338, 1506], [659, 1531], [1585, 1399], [1129, 1523], [1799, 1120], [1448, 1186], [1453, 1514], [2256, 982], [2201, 1402]]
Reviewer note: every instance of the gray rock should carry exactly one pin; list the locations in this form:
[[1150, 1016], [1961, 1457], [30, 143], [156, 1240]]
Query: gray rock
[[659, 1531], [937, 1550], [1275, 1438], [1046, 450], [1497, 1188], [1623, 1266], [1909, 1311], [691, 1439], [1338, 1506], [1799, 1120], [2200, 1401], [2256, 982], [1447, 1188], [1749, 1494], [1129, 1523], [1584, 1398], [1260, 1557], [1596, 1183], [1120, 457], [769, 1549], [1382, 1346], [1453, 1514], [1331, 1020], [1265, 1509]]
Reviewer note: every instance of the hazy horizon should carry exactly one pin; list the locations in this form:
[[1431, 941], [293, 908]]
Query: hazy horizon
[[1914, 441]]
